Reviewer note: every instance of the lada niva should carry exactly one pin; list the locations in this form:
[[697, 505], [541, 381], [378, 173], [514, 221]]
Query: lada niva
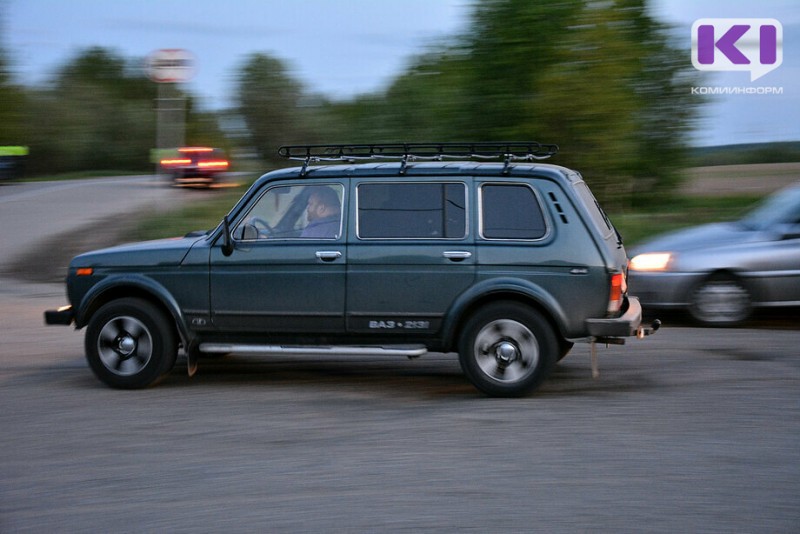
[[371, 249]]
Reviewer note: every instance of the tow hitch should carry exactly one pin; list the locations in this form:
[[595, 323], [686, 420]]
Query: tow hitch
[[641, 332]]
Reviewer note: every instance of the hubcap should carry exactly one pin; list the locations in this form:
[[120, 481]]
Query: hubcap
[[721, 302], [125, 346], [506, 351]]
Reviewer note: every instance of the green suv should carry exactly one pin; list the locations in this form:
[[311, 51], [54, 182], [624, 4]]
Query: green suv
[[371, 249]]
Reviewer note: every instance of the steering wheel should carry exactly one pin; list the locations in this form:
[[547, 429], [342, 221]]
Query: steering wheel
[[261, 225]]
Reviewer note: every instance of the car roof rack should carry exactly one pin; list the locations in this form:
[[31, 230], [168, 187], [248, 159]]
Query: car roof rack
[[405, 152]]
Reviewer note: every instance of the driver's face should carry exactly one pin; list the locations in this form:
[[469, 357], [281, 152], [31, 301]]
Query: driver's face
[[314, 208]]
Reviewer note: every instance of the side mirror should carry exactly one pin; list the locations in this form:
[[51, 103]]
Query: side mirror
[[227, 242]]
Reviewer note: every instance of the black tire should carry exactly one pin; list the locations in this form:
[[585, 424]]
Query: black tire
[[507, 349], [720, 300], [130, 344]]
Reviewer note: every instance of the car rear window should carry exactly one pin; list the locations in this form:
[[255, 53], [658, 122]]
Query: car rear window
[[421, 210]]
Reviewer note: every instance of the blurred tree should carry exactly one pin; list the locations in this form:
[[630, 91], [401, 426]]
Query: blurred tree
[[431, 101], [600, 79], [587, 101], [668, 112], [101, 68], [272, 105], [509, 45], [12, 103], [99, 114]]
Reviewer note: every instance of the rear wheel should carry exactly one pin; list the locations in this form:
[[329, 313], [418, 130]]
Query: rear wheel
[[130, 344], [507, 349]]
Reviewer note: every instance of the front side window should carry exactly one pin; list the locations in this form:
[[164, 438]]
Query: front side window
[[511, 211], [295, 212], [421, 210]]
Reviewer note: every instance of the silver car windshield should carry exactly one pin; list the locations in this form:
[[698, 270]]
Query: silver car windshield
[[781, 208]]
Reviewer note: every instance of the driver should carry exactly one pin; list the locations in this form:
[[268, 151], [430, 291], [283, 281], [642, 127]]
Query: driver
[[323, 213]]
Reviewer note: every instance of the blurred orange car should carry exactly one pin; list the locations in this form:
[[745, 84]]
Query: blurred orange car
[[195, 165]]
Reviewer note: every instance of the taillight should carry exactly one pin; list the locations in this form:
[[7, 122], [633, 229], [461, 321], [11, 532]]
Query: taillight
[[616, 294], [171, 162], [213, 164]]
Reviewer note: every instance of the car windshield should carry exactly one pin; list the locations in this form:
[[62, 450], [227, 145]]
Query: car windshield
[[781, 208]]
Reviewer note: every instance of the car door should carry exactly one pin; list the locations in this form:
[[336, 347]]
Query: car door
[[410, 255], [286, 274]]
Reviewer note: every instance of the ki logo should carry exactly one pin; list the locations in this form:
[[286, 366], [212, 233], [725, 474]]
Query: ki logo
[[754, 45]]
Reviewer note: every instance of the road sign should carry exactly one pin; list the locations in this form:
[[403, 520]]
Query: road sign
[[170, 65]]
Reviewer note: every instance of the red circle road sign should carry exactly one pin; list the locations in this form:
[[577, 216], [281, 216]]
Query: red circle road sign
[[170, 65]]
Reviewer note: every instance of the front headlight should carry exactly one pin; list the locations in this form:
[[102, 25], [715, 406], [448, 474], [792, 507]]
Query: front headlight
[[651, 261]]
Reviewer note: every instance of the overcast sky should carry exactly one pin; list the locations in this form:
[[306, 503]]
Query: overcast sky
[[346, 47]]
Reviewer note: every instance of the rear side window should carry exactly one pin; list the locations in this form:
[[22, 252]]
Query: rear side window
[[511, 211], [421, 210], [599, 217]]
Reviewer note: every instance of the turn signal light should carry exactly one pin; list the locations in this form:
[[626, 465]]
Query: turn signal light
[[84, 271]]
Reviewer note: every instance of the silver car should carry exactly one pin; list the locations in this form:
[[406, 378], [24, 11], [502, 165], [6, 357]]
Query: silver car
[[721, 272]]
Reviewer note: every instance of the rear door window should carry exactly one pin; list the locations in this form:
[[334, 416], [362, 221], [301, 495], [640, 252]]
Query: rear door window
[[418, 210]]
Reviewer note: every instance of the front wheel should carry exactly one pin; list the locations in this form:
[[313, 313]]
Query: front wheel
[[720, 300], [130, 344], [507, 349]]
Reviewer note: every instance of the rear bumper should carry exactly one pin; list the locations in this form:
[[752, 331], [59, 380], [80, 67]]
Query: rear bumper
[[63, 316], [626, 325]]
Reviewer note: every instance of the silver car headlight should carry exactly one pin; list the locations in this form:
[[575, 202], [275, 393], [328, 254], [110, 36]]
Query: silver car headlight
[[651, 261]]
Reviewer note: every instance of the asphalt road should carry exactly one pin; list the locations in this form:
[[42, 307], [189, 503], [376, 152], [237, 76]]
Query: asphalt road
[[690, 430], [31, 213]]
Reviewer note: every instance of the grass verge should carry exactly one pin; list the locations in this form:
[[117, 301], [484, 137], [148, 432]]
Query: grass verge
[[196, 215]]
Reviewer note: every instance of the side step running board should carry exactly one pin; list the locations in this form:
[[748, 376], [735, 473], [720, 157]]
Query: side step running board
[[412, 351]]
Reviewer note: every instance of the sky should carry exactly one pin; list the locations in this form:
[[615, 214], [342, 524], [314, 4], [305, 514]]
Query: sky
[[343, 48]]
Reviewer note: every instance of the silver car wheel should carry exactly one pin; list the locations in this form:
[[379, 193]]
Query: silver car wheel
[[721, 302], [125, 346], [506, 351]]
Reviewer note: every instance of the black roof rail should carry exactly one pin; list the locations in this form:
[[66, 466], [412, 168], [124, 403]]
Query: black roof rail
[[504, 151]]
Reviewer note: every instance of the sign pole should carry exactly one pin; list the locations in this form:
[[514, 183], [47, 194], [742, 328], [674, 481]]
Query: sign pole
[[168, 67]]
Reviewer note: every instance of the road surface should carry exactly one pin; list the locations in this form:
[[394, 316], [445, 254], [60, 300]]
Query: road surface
[[78, 212]]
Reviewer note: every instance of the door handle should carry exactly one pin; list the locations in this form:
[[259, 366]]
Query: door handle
[[457, 255], [328, 255]]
